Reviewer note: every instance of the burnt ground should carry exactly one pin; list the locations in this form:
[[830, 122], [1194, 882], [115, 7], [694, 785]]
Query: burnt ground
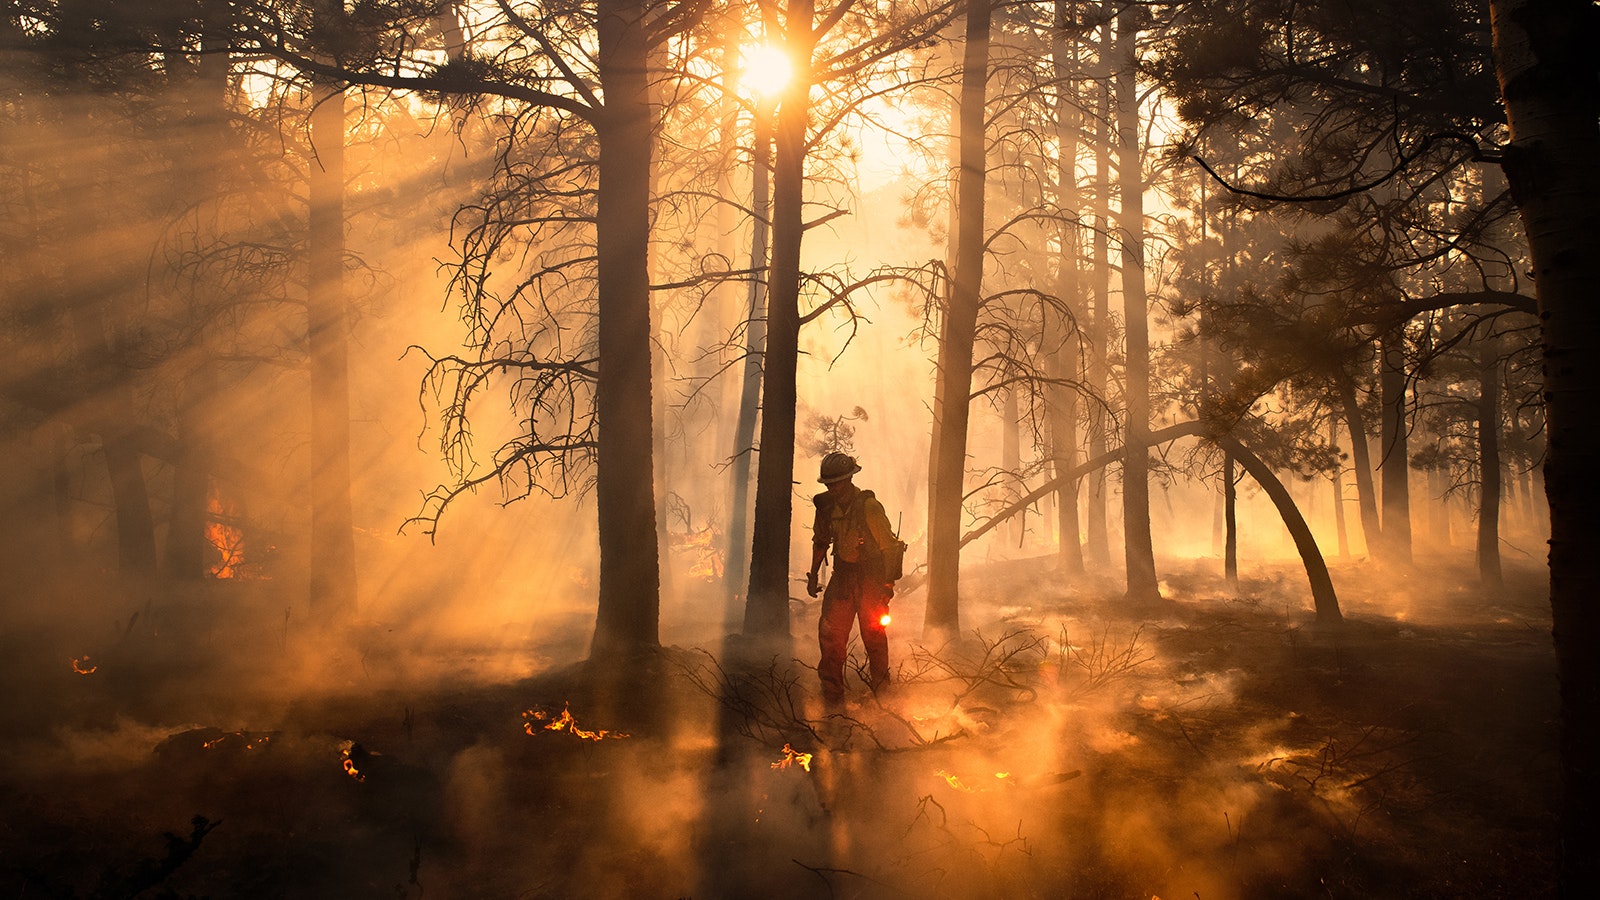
[[1218, 744]]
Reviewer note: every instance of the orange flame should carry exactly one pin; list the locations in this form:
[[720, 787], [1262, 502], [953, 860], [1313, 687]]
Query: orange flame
[[348, 761], [227, 539], [536, 720], [884, 620], [955, 781], [84, 665], [792, 757], [702, 547]]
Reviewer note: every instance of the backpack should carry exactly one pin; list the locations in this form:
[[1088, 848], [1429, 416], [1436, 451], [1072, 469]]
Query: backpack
[[894, 555]]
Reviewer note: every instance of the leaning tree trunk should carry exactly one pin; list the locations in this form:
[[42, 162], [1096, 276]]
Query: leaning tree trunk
[[766, 612], [333, 567], [943, 618], [1394, 466], [1323, 597], [1543, 56], [1138, 550], [629, 608], [1322, 593]]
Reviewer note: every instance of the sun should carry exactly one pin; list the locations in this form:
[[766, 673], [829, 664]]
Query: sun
[[765, 69]]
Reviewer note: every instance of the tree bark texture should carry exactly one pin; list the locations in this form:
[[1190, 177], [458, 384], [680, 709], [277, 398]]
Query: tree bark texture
[[766, 611], [1138, 551], [629, 608], [1544, 61], [943, 617]]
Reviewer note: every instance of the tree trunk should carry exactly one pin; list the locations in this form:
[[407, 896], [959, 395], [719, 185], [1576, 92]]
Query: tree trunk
[[1543, 55], [333, 572], [1322, 594], [1326, 601], [1097, 542], [188, 552], [755, 340], [766, 613], [1139, 552], [943, 618], [629, 608], [1230, 525], [1489, 463], [1062, 399], [1361, 463], [1011, 460], [1394, 465], [1338, 494]]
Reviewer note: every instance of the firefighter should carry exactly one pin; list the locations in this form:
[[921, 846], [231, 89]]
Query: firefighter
[[854, 523]]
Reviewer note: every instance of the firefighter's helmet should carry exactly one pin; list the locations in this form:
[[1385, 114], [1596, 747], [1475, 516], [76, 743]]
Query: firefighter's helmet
[[837, 467]]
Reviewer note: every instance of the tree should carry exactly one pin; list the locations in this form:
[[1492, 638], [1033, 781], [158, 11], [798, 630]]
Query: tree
[[947, 484], [333, 564], [863, 42], [609, 378], [1424, 75], [1139, 553]]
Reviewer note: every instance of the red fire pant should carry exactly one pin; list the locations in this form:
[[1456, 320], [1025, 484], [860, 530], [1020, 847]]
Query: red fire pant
[[856, 592]]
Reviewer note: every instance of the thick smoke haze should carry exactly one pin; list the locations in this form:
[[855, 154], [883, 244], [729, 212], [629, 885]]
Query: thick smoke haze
[[204, 725]]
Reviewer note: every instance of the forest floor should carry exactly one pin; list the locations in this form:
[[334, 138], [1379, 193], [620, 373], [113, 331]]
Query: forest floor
[[1216, 744]]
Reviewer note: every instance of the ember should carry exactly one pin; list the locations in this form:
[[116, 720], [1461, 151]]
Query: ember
[[247, 740], [791, 757], [884, 620], [564, 722], [84, 665]]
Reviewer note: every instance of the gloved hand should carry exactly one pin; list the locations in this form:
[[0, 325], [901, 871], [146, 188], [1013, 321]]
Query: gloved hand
[[812, 586]]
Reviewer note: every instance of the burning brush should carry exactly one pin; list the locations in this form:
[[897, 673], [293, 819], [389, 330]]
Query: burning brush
[[84, 665], [536, 720], [792, 757]]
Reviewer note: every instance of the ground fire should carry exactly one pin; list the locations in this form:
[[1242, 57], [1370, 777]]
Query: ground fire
[[537, 720]]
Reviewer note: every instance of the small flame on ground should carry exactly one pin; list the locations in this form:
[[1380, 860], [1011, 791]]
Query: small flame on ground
[[536, 720], [84, 665], [884, 620], [348, 761], [792, 757], [251, 743], [955, 781]]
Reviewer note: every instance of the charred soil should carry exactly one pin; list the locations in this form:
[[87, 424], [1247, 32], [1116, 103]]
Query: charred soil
[[1217, 744]]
